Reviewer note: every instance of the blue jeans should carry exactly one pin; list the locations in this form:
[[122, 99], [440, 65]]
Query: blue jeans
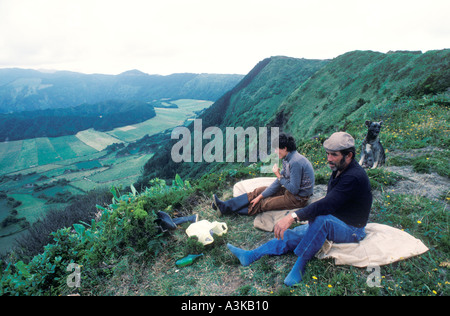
[[306, 240]]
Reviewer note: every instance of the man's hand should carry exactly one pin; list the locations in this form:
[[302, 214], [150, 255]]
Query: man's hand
[[276, 170], [255, 201], [283, 225]]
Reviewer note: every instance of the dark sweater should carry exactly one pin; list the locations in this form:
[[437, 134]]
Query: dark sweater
[[349, 198]]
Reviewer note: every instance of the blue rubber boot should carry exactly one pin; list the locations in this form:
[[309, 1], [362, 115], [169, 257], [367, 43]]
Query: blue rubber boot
[[185, 219], [246, 257], [295, 276], [168, 223], [165, 221], [237, 205], [273, 247]]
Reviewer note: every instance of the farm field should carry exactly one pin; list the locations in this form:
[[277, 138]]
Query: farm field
[[45, 173]]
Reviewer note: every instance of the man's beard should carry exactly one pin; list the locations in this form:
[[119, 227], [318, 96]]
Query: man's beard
[[337, 167]]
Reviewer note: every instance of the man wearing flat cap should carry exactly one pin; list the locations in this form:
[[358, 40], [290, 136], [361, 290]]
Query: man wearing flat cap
[[340, 216]]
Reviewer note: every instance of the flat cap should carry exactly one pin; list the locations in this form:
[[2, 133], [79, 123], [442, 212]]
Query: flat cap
[[339, 141]]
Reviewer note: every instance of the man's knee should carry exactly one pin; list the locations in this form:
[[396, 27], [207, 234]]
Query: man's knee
[[292, 238], [259, 190], [321, 220]]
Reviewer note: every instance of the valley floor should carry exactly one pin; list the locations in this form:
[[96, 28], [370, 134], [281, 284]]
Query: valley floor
[[45, 173]]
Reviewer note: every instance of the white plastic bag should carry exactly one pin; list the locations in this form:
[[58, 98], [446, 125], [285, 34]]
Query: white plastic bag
[[204, 230]]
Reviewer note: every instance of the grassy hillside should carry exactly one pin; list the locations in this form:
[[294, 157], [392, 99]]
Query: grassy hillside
[[252, 102], [356, 84], [308, 98], [121, 253], [255, 103]]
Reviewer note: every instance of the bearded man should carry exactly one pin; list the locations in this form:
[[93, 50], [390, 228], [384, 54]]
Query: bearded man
[[340, 216]]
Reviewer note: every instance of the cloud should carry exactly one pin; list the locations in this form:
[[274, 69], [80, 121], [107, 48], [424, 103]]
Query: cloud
[[111, 36]]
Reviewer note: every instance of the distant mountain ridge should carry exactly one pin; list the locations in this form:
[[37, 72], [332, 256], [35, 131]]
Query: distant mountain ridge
[[28, 90], [103, 116]]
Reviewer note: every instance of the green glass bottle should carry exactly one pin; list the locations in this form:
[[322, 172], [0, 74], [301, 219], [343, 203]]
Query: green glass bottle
[[187, 260]]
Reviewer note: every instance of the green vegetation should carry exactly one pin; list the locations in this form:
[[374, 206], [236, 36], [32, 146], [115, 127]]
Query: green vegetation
[[125, 228], [122, 252], [252, 102], [319, 97], [357, 86], [47, 173], [102, 116]]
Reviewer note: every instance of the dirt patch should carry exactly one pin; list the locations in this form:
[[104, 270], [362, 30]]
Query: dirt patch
[[412, 153], [320, 190], [432, 186], [429, 185]]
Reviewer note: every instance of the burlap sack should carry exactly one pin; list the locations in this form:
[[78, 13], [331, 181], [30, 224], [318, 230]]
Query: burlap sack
[[382, 245], [265, 221]]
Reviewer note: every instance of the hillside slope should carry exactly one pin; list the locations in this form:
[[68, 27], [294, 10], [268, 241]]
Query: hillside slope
[[251, 102], [354, 85], [308, 98], [257, 97]]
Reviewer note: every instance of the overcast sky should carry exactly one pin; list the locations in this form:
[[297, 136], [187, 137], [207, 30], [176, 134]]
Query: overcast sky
[[208, 36]]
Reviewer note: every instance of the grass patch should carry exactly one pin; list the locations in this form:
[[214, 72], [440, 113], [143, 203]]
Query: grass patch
[[379, 178], [115, 262], [117, 266], [414, 123]]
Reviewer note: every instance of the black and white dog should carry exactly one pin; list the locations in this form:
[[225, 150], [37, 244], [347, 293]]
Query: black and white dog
[[372, 152]]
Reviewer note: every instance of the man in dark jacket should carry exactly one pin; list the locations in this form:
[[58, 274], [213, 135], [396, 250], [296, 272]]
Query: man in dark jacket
[[339, 217]]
